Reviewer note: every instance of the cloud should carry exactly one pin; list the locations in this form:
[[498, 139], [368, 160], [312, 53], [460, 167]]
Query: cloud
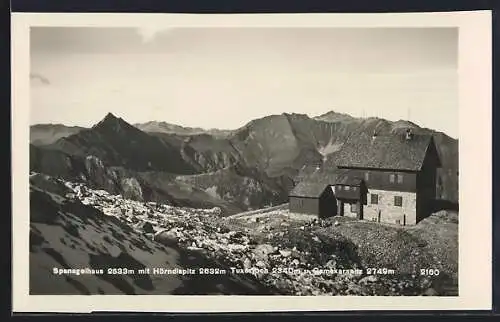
[[39, 79]]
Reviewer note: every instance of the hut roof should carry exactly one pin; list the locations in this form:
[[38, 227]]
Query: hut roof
[[392, 151], [306, 171], [307, 189], [315, 183], [348, 178]]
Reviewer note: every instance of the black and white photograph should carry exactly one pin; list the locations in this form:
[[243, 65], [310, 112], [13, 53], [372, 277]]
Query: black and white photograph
[[252, 165], [244, 161]]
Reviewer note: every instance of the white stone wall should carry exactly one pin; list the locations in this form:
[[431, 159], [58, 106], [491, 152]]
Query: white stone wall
[[347, 211], [389, 213]]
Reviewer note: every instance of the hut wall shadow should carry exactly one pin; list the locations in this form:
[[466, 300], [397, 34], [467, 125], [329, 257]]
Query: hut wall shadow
[[442, 204]]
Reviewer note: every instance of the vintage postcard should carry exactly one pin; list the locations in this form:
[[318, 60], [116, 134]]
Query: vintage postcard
[[193, 163]]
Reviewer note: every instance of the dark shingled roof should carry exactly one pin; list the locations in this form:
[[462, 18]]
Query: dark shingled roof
[[315, 183], [391, 151], [347, 178], [307, 189], [306, 171]]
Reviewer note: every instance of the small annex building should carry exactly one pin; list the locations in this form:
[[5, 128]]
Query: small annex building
[[329, 193]]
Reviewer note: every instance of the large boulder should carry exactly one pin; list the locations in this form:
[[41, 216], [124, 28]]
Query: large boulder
[[132, 189], [167, 237], [145, 226], [99, 175]]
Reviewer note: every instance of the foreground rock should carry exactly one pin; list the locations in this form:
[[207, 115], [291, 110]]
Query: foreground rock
[[77, 249]]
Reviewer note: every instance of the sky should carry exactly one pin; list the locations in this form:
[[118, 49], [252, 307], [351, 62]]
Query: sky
[[225, 77]]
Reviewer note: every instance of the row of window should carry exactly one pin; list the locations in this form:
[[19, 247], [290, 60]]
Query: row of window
[[397, 221], [398, 200], [392, 177]]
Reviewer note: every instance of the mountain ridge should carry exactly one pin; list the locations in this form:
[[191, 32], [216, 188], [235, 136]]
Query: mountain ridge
[[171, 128], [267, 153], [45, 134]]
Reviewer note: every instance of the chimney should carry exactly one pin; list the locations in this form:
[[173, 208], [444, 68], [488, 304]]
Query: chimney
[[409, 134]]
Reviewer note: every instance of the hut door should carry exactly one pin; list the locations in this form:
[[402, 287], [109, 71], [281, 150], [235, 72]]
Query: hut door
[[341, 208], [379, 215]]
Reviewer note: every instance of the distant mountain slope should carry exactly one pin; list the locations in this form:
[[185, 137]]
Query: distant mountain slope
[[162, 186], [43, 134], [269, 144], [120, 144], [148, 186], [239, 187], [55, 162], [332, 116], [204, 152], [168, 128]]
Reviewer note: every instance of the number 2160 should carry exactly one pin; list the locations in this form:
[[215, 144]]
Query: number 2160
[[429, 271]]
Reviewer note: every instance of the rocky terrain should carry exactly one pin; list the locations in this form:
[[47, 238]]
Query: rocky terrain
[[90, 242], [269, 251], [243, 169]]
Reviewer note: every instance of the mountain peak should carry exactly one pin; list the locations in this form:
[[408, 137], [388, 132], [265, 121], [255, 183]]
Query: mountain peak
[[332, 116], [110, 116], [113, 122]]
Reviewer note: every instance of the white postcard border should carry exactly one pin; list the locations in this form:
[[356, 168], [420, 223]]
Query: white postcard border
[[475, 160]]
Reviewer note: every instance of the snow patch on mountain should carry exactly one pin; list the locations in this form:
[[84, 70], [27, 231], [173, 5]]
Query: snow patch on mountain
[[330, 148]]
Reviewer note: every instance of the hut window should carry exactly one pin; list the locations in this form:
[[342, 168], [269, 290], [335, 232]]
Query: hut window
[[400, 178], [346, 188], [391, 178], [398, 201], [367, 176], [374, 199], [354, 208]]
